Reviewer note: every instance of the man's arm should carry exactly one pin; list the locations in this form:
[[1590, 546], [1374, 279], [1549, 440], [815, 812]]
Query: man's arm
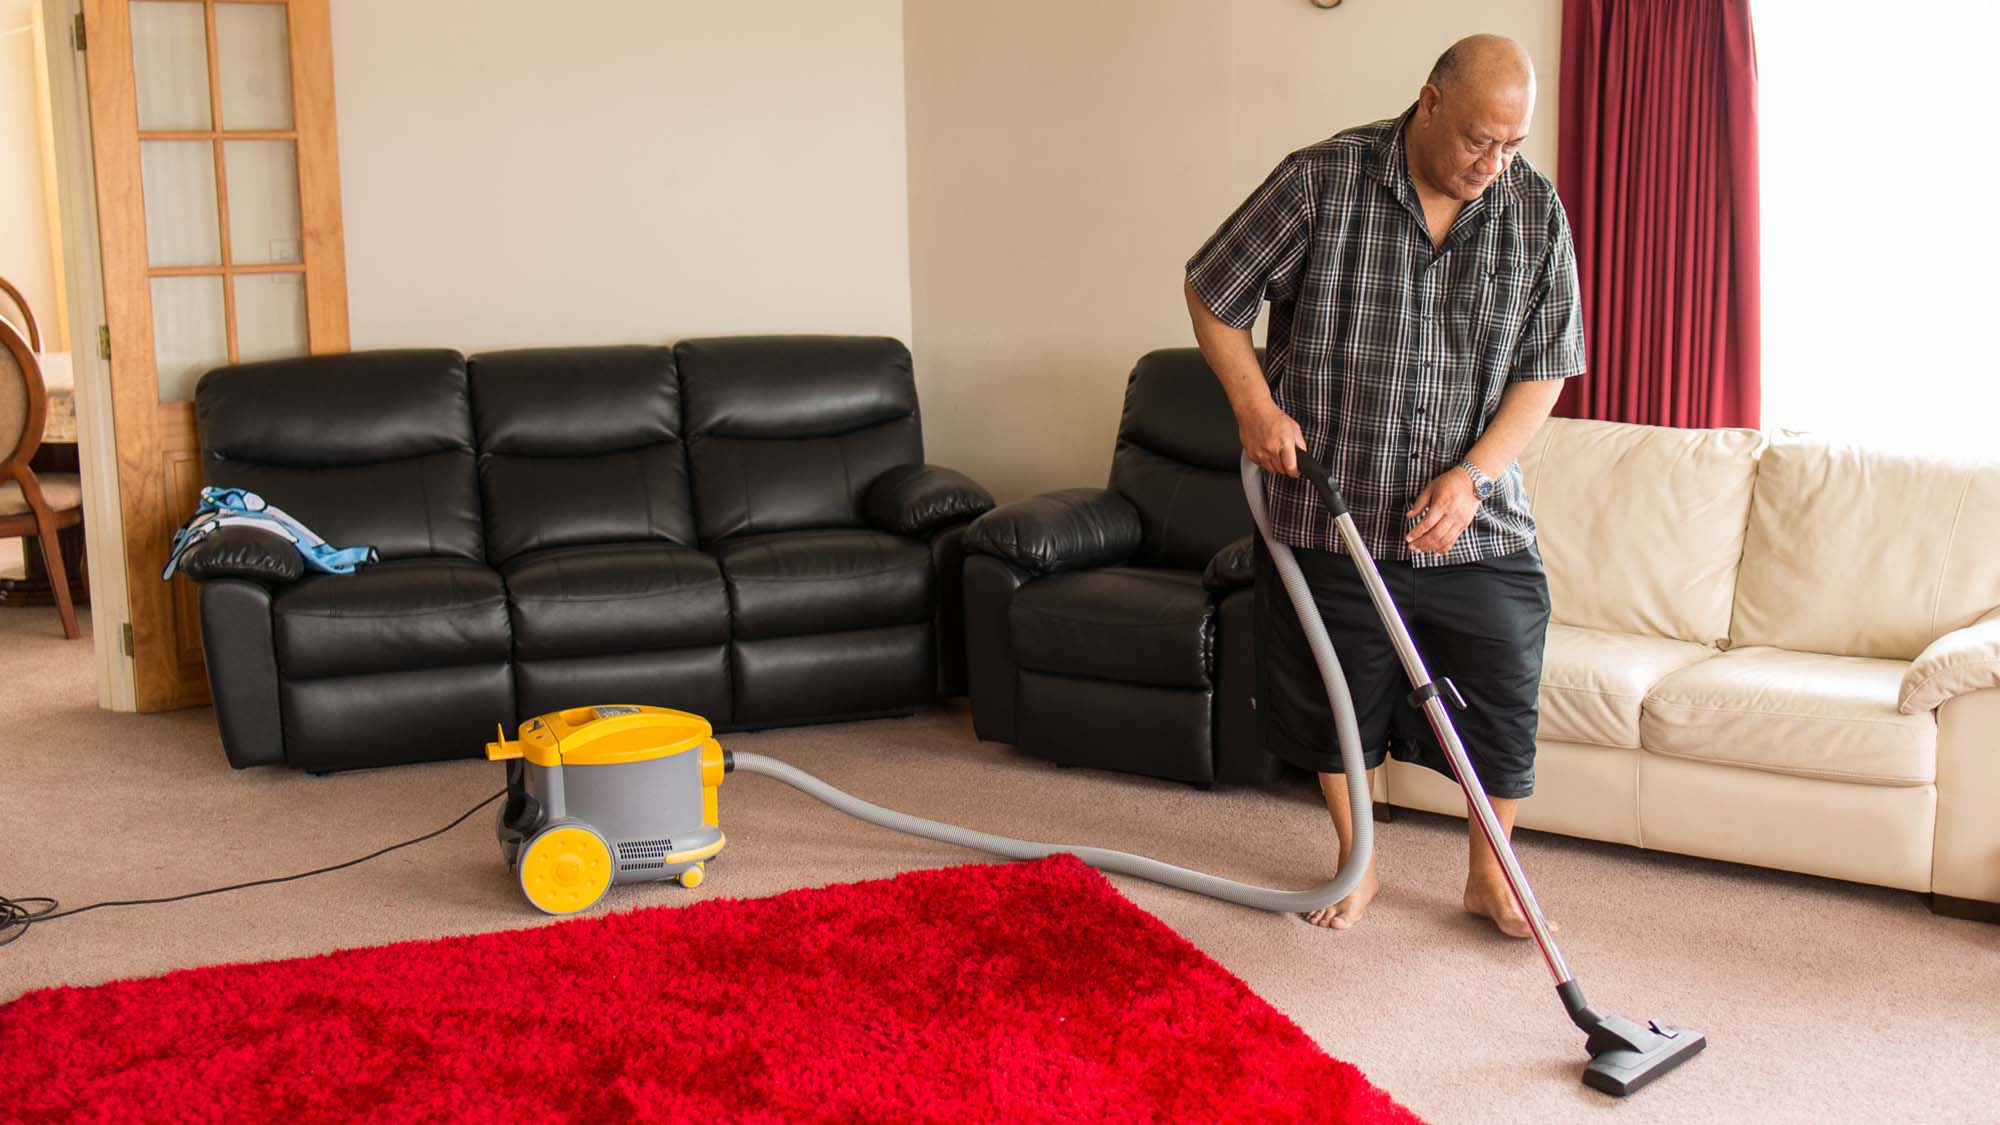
[[1257, 255], [1524, 406], [1268, 434], [1447, 505]]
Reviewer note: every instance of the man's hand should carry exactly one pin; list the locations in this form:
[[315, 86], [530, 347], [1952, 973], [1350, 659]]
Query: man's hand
[[1270, 437], [1443, 510]]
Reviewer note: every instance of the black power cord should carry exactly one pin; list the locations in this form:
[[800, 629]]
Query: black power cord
[[17, 914]]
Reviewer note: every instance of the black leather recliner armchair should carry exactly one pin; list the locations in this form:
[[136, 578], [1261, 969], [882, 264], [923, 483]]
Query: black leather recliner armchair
[[742, 527], [1112, 627]]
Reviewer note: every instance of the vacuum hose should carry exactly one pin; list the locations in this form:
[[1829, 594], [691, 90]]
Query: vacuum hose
[[1125, 863]]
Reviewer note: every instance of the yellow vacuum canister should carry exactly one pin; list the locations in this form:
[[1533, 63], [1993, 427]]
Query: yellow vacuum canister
[[603, 795]]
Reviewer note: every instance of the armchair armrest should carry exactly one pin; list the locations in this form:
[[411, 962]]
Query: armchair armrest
[[1073, 529], [1230, 569], [918, 499], [246, 553], [1962, 661]]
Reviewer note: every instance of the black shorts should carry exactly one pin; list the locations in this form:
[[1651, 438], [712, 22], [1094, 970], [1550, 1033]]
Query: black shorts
[[1482, 625]]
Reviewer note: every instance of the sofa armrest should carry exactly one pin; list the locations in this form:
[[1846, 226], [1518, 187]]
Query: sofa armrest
[[919, 499], [1073, 529], [238, 647], [1968, 790], [1231, 567], [246, 553], [1962, 661]]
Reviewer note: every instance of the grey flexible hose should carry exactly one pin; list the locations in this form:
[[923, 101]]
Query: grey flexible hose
[[1125, 863]]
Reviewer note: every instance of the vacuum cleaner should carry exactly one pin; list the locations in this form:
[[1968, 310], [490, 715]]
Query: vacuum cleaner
[[598, 796]]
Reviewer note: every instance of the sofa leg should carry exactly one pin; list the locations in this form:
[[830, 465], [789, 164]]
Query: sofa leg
[[1971, 909], [1385, 813]]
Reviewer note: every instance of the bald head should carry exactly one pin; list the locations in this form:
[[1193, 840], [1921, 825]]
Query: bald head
[[1484, 63], [1471, 116]]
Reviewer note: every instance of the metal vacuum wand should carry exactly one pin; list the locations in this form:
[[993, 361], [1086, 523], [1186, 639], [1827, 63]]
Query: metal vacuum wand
[[1625, 1055]]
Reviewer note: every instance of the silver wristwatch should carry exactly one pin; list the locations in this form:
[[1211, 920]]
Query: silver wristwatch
[[1482, 485]]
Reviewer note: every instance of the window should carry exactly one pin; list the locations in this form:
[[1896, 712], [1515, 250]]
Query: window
[[1879, 160]]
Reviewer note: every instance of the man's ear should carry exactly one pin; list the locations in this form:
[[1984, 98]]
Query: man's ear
[[1427, 104]]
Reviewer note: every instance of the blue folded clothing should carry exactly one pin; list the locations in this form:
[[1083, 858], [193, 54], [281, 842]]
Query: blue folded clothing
[[236, 507]]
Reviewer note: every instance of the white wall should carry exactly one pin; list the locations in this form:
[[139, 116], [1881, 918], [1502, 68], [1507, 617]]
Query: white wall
[[25, 257], [1066, 159], [517, 173]]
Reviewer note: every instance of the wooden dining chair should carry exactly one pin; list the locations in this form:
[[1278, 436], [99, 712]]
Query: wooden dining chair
[[31, 505], [25, 323]]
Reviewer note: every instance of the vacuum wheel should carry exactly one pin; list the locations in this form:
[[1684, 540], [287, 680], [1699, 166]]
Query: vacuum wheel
[[691, 878], [565, 868]]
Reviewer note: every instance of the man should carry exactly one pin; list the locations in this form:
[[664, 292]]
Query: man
[[1423, 316]]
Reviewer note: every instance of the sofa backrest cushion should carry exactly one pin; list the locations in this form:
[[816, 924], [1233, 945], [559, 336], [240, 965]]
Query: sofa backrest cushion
[[580, 445], [1856, 552], [788, 432], [1177, 461], [367, 448], [1641, 527]]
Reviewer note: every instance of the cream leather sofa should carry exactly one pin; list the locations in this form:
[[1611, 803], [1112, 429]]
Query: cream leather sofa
[[1776, 651]]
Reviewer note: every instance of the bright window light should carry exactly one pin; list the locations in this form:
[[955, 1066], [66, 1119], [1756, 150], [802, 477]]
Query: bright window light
[[1880, 167]]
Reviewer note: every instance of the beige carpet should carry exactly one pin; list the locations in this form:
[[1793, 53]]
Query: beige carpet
[[1822, 1001]]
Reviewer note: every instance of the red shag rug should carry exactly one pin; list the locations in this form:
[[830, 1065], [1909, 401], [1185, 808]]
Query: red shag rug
[[998, 992]]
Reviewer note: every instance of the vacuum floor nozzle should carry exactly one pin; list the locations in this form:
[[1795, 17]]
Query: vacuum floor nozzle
[[1625, 1056]]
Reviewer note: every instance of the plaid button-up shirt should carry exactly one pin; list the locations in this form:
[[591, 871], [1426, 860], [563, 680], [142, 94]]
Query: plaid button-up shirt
[[1389, 353]]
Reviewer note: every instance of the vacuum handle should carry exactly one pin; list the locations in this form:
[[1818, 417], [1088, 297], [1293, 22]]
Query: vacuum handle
[[1316, 473]]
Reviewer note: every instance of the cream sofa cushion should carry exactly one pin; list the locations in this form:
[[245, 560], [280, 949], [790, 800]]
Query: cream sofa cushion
[[1797, 713], [1641, 527], [1962, 661], [1586, 791], [1881, 834], [1864, 552], [1594, 681]]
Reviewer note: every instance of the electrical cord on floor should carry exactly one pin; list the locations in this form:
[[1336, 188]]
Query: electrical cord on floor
[[17, 914]]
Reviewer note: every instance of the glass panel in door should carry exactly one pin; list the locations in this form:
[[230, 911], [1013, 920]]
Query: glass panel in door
[[190, 334], [270, 315], [253, 66], [170, 64]]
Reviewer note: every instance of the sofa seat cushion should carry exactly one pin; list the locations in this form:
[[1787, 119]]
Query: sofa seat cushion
[[1798, 713], [391, 617], [797, 583], [1593, 682], [614, 598], [1135, 625]]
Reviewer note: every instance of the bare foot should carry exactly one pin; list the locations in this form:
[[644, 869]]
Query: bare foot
[[1492, 899], [1343, 915]]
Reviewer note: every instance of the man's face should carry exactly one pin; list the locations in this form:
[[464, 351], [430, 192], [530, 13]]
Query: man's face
[[1473, 135]]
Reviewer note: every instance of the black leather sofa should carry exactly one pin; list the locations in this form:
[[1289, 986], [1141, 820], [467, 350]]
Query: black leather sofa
[[740, 527], [1112, 627]]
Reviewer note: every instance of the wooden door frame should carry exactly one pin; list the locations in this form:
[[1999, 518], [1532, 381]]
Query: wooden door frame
[[75, 178], [161, 612]]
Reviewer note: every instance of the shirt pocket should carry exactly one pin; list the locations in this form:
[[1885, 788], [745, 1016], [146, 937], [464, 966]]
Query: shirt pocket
[[1503, 308]]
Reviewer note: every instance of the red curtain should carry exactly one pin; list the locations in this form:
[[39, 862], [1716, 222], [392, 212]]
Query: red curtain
[[1658, 169]]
